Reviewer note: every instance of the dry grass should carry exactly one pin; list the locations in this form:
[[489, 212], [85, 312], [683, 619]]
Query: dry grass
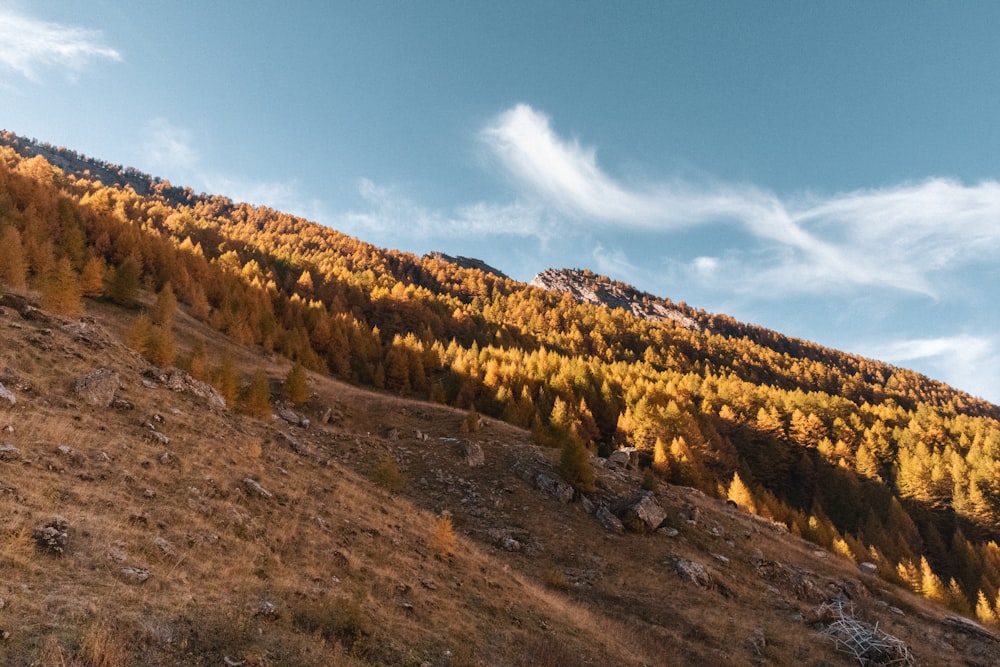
[[348, 561]]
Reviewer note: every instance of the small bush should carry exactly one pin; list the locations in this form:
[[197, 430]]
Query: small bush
[[444, 537], [388, 475], [336, 621]]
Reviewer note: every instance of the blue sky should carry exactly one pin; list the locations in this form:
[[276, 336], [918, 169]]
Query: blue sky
[[826, 170]]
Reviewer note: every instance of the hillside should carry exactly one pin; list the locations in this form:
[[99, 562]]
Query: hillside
[[848, 480], [189, 533]]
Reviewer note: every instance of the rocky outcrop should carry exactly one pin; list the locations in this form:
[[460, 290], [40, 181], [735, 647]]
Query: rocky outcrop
[[609, 521], [587, 287], [98, 387], [641, 513], [179, 381]]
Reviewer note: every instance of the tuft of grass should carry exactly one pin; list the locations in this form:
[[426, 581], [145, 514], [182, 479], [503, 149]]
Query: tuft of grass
[[336, 621], [554, 578], [444, 538], [102, 647]]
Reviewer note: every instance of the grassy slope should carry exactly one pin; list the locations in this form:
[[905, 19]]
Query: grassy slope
[[350, 567]]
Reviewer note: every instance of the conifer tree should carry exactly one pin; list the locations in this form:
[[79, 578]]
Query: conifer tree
[[165, 309], [13, 270], [124, 285], [92, 278], [740, 494], [295, 387], [225, 380], [61, 291], [984, 611], [257, 397]]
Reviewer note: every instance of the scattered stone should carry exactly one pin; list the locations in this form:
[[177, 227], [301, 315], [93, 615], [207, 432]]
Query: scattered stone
[[134, 575], [693, 572], [588, 505], [392, 434], [642, 513], [233, 663], [7, 398], [253, 486], [668, 531], [180, 381], [167, 458], [292, 417], [156, 436], [53, 537], [122, 405], [149, 493], [164, 546], [267, 609], [429, 584], [722, 559], [98, 387], [8, 452], [473, 453], [609, 521], [868, 568]]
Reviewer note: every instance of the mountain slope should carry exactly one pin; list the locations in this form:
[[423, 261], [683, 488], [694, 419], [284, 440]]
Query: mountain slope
[[196, 535], [874, 463]]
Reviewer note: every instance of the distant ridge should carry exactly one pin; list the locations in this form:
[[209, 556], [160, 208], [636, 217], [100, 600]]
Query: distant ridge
[[466, 263], [587, 287]]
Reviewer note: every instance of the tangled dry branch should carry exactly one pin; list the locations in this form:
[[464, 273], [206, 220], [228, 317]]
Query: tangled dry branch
[[870, 646]]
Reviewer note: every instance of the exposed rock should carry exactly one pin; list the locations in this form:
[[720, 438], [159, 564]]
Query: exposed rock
[[696, 573], [134, 575], [8, 452], [668, 531], [254, 487], [642, 513], [626, 457], [177, 380], [156, 436], [969, 627], [98, 387], [7, 398], [609, 521], [293, 418], [544, 481], [473, 453], [554, 486], [267, 609], [589, 288], [868, 568], [509, 539], [53, 536]]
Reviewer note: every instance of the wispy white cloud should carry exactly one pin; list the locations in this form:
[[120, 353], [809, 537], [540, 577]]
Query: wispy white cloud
[[896, 237], [28, 46], [169, 151], [968, 362], [389, 211]]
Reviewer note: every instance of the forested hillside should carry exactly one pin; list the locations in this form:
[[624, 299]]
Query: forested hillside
[[875, 462]]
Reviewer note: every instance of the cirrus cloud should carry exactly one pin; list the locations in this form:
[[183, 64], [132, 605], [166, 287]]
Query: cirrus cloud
[[28, 46]]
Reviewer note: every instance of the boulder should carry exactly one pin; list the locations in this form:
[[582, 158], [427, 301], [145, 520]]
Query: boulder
[[8, 452], [693, 572], [868, 568], [642, 514], [182, 382], [554, 486], [134, 575], [291, 417], [609, 521], [7, 398], [254, 487], [473, 453], [98, 387], [53, 536]]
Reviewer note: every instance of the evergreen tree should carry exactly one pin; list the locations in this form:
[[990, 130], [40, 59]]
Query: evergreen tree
[[256, 400], [295, 387], [124, 285], [13, 271], [61, 291]]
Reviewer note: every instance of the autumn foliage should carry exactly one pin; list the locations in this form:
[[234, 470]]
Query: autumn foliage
[[877, 462]]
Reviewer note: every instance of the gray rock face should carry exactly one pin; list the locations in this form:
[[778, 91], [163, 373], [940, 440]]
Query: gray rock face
[[609, 521], [554, 486], [642, 514], [7, 398], [693, 572], [182, 382], [98, 387]]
